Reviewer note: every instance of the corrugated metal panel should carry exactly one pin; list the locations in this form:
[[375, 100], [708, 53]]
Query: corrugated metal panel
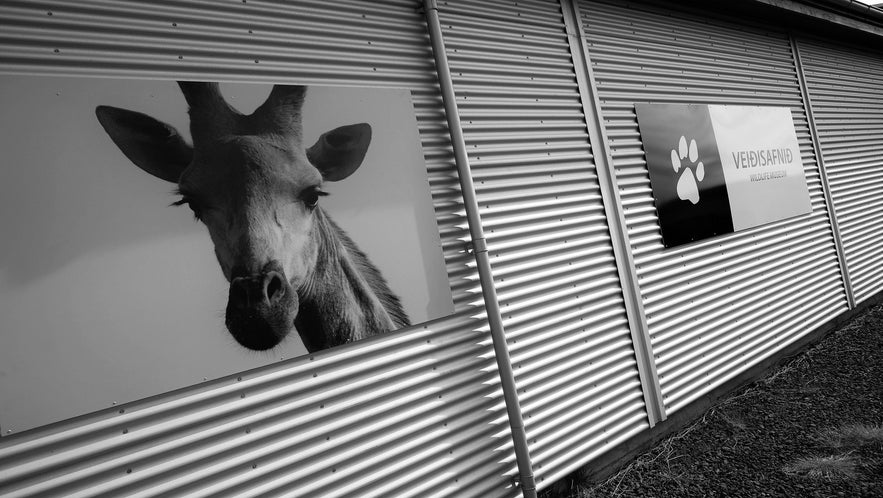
[[718, 306], [414, 413], [546, 227], [844, 86]]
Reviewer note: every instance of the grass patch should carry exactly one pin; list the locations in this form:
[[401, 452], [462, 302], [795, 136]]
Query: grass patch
[[732, 419], [830, 468], [852, 435]]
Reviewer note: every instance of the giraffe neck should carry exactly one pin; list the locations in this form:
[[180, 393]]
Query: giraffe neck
[[345, 299]]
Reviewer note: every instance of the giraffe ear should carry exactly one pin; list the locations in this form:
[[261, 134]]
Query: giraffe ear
[[339, 153], [152, 145]]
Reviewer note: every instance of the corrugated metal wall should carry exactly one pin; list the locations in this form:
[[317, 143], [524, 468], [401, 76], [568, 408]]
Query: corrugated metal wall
[[845, 86], [415, 413], [420, 412], [718, 306], [546, 227]]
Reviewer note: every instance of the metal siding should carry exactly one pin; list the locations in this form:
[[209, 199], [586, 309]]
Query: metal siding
[[844, 86], [546, 228], [715, 307], [413, 413]]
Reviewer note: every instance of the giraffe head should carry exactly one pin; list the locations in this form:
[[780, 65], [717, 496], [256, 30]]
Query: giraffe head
[[253, 183]]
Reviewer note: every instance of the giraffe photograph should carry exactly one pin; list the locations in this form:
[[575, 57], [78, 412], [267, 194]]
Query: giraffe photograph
[[165, 232]]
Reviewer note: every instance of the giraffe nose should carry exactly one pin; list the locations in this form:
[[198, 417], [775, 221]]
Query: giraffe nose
[[265, 288]]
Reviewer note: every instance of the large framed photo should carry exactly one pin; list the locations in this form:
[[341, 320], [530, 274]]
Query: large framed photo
[[160, 233]]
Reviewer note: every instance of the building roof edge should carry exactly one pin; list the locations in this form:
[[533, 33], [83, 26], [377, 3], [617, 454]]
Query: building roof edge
[[847, 13]]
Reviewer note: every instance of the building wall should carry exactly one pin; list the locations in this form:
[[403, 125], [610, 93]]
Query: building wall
[[715, 307], [843, 83], [419, 412], [548, 238]]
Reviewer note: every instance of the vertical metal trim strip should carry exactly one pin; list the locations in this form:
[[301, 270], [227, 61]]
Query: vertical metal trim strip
[[479, 244], [625, 263], [823, 174]]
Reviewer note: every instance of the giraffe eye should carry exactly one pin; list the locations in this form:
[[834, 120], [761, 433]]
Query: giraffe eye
[[197, 211], [310, 197]]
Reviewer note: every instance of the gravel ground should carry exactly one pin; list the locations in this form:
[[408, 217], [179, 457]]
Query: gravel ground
[[813, 428]]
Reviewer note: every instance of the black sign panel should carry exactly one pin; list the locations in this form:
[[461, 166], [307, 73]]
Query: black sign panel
[[685, 172]]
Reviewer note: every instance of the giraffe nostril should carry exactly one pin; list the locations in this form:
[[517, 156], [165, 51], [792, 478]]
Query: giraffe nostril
[[274, 286]]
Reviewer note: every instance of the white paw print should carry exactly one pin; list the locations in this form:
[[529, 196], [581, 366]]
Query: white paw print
[[688, 188]]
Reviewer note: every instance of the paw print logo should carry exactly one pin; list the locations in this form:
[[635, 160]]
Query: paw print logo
[[691, 173]]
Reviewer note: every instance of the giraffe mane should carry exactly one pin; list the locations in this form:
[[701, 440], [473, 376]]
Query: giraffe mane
[[326, 314], [390, 301]]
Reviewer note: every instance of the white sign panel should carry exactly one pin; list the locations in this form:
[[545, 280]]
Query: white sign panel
[[761, 162]]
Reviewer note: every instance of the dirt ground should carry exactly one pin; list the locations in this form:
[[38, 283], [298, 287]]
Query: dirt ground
[[812, 428]]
